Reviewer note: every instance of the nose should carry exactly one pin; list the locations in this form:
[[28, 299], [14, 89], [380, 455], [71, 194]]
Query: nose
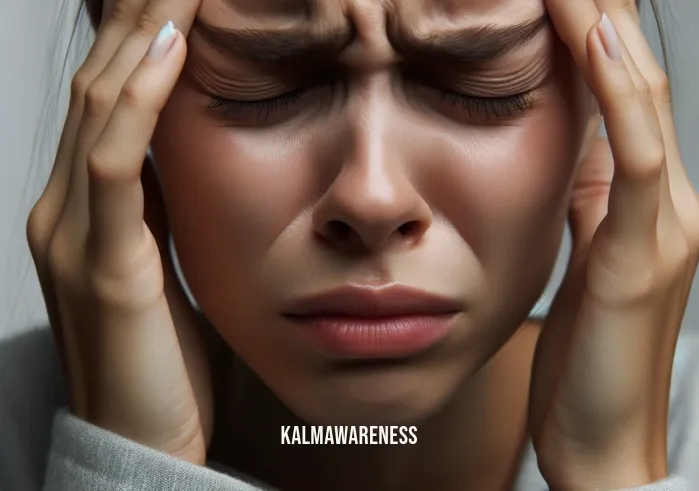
[[372, 203]]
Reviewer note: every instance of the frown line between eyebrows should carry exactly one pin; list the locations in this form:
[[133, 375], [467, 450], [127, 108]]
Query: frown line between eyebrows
[[464, 46]]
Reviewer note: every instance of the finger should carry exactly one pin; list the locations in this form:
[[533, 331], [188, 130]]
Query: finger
[[573, 21], [102, 93], [102, 50], [115, 162], [608, 6], [644, 70], [590, 194], [680, 186], [675, 187], [625, 12], [644, 58], [678, 204], [634, 137], [644, 88], [45, 214], [146, 25]]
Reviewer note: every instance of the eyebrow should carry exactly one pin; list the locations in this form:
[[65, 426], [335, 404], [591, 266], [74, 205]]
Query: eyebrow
[[281, 45], [469, 45], [461, 46]]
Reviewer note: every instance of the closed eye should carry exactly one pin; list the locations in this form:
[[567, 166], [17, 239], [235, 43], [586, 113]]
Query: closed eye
[[489, 107], [260, 110]]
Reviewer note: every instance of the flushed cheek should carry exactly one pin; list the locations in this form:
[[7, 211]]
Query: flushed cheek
[[227, 181], [230, 193], [505, 189]]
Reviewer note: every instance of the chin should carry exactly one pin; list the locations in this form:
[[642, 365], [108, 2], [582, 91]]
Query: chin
[[393, 394]]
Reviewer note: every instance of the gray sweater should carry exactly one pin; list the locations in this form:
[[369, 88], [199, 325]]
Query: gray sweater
[[84, 457]]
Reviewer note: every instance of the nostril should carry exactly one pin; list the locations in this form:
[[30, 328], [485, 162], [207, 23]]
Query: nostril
[[339, 230], [409, 228]]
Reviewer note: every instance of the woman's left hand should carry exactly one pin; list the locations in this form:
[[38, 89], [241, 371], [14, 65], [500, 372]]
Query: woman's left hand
[[601, 378]]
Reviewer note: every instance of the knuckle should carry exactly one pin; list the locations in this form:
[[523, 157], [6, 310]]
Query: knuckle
[[104, 166], [121, 13], [625, 90], [643, 89], [39, 228], [127, 286], [133, 95], [148, 24], [642, 84], [660, 86], [644, 289], [99, 99], [651, 165], [101, 165], [618, 10], [80, 83]]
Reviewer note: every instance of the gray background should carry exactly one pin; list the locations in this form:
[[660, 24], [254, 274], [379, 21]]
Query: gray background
[[32, 104]]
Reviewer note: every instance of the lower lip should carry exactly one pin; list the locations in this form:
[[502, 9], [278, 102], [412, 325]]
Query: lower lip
[[386, 337]]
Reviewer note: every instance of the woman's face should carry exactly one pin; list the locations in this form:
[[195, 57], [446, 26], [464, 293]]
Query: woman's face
[[428, 144]]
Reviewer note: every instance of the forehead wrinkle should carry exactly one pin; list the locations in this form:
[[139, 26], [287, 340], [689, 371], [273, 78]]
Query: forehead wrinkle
[[416, 28], [315, 15], [494, 9]]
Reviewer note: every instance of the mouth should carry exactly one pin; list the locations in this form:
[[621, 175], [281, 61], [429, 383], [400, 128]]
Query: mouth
[[366, 322]]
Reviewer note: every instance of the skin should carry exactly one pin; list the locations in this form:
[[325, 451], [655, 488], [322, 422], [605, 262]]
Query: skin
[[405, 176], [370, 163], [375, 170]]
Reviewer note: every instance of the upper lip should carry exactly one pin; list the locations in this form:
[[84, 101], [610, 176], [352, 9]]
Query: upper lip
[[371, 301]]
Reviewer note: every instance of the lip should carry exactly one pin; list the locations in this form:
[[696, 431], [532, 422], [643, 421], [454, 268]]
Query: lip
[[374, 322], [369, 301]]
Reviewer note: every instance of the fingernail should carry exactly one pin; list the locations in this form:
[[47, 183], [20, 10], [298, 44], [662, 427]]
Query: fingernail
[[162, 42], [610, 39]]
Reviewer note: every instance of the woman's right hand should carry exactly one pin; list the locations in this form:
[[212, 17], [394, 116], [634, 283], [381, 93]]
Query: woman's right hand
[[126, 335]]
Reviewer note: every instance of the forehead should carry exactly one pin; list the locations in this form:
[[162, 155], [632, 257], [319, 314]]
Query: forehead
[[491, 11]]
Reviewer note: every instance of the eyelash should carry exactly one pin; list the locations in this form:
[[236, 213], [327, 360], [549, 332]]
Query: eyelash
[[497, 107], [263, 109]]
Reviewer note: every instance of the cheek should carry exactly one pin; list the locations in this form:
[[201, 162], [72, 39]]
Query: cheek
[[506, 191], [231, 180], [228, 195], [512, 184], [231, 193]]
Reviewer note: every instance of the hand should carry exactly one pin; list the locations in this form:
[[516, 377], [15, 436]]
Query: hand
[[601, 376], [125, 333]]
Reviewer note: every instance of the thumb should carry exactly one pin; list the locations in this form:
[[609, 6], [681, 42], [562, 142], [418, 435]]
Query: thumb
[[590, 193]]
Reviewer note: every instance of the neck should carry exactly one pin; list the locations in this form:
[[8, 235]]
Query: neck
[[476, 438]]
